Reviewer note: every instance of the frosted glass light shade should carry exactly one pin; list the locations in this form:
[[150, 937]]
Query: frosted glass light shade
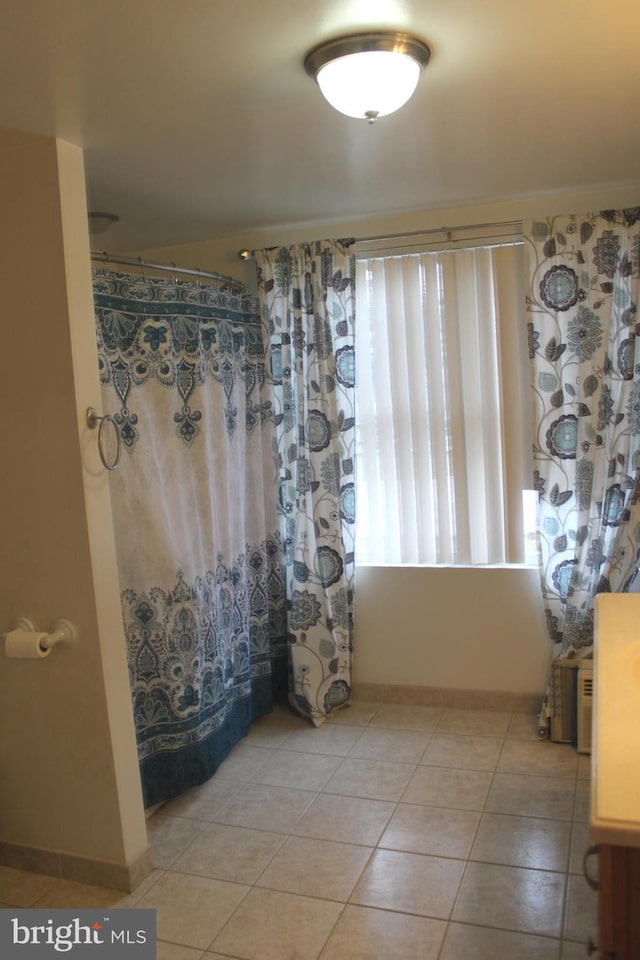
[[368, 75], [373, 83]]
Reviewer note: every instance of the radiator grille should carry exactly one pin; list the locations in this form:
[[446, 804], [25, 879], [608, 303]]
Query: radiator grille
[[572, 682], [563, 680], [584, 706]]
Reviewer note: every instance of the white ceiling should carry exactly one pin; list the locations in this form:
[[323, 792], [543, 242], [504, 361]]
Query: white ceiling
[[198, 119]]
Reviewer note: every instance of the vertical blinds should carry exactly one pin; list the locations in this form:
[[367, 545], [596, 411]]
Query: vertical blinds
[[443, 423]]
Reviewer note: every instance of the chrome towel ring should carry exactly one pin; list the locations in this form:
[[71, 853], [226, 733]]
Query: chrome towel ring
[[92, 423]]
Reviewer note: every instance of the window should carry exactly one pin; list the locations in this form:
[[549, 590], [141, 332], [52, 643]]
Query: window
[[444, 436]]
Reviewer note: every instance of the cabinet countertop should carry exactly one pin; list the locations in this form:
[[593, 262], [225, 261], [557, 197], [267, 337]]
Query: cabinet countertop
[[615, 754]]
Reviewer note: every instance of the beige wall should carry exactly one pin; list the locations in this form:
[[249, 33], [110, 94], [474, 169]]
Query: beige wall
[[469, 628], [69, 779], [475, 629], [221, 253]]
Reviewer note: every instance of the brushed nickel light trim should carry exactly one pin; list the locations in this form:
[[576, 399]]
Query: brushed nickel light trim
[[389, 42]]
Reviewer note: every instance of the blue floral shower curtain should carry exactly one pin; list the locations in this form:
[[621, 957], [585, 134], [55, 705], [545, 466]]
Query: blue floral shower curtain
[[307, 300], [199, 556], [584, 286]]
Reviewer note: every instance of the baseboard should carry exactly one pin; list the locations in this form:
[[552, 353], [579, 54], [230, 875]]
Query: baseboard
[[528, 703], [65, 866]]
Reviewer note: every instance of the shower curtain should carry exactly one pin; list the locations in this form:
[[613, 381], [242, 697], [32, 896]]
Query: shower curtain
[[193, 498]]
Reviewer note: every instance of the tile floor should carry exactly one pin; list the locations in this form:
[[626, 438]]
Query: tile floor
[[390, 833]]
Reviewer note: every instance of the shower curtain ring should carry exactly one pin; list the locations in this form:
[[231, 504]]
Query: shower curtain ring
[[92, 422]]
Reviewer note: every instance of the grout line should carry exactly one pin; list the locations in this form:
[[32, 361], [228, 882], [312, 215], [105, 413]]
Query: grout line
[[482, 812]]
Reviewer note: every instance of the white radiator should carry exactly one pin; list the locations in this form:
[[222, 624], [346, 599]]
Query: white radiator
[[572, 681]]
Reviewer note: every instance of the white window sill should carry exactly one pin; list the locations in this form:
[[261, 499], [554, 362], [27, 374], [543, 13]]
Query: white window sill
[[449, 566]]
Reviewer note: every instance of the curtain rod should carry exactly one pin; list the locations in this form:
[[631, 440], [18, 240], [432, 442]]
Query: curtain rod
[[248, 254], [105, 257], [426, 233]]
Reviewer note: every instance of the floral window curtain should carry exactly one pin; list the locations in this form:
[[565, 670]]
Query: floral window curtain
[[199, 557], [306, 294], [584, 276]]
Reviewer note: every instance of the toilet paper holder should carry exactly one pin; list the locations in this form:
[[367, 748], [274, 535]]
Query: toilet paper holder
[[60, 631]]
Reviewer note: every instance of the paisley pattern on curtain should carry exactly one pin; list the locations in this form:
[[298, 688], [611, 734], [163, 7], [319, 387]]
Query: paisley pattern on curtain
[[199, 555], [584, 286], [307, 299]]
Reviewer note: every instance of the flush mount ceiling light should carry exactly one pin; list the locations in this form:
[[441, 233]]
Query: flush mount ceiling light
[[368, 75], [100, 222]]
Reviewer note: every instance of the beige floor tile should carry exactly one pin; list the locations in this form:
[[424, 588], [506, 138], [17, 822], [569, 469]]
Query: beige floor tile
[[270, 925], [201, 803], [398, 746], [479, 723], [345, 819], [271, 730], [334, 740], [387, 776], [572, 950], [363, 933], [243, 762], [580, 843], [269, 736], [20, 888], [466, 753], [464, 942], [581, 912], [359, 712], [521, 795], [172, 951], [584, 767], [302, 771], [192, 910], [69, 895], [582, 801], [431, 830], [511, 898], [316, 868], [523, 726], [523, 842], [170, 836], [441, 787], [406, 717], [263, 807], [542, 758], [131, 899], [409, 883], [370, 779], [229, 853]]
